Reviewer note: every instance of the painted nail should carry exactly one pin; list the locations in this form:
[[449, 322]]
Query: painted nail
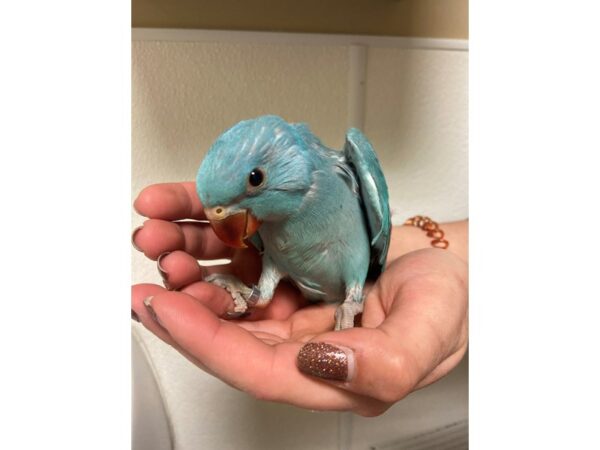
[[237, 315], [163, 273], [327, 361], [134, 316], [133, 233], [148, 305]]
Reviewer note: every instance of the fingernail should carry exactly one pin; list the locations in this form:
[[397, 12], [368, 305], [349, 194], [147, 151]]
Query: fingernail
[[237, 315], [327, 361], [133, 233], [163, 273], [134, 316], [148, 305]]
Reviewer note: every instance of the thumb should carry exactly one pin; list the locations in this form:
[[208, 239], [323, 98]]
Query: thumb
[[422, 337], [362, 360]]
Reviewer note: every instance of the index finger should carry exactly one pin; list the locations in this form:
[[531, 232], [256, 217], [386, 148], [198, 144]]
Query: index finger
[[170, 201]]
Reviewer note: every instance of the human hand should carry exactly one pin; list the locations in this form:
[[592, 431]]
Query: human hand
[[177, 234], [414, 328]]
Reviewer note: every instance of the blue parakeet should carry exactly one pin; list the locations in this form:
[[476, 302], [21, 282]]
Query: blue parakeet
[[319, 217]]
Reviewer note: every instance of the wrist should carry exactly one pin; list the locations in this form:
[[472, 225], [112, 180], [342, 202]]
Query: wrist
[[406, 239]]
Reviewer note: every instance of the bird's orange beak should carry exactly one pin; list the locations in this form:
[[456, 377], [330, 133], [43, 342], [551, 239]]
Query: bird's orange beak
[[233, 229]]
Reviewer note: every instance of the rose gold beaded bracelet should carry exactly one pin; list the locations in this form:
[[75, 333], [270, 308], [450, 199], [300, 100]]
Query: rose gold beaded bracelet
[[432, 228]]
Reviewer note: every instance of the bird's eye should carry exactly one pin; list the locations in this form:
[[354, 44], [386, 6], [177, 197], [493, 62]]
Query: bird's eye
[[256, 177]]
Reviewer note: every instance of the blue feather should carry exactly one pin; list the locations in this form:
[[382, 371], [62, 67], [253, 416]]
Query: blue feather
[[325, 214]]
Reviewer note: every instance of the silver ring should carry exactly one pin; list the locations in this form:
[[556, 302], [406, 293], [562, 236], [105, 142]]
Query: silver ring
[[254, 296]]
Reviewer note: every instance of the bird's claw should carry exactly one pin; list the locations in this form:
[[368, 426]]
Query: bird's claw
[[345, 313], [243, 296]]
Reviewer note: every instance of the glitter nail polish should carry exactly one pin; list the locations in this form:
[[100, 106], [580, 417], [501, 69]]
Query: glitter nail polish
[[148, 305], [133, 233], [326, 361], [163, 273]]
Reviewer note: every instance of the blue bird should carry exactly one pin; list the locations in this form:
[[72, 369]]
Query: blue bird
[[319, 217]]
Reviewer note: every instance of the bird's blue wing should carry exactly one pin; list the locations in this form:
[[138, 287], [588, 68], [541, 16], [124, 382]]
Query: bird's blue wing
[[374, 194]]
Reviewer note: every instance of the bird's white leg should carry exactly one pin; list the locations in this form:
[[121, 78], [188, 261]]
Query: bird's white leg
[[269, 279], [245, 296], [238, 290], [352, 306]]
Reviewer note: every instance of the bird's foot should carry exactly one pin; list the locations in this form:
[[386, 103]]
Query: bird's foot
[[243, 296], [345, 313]]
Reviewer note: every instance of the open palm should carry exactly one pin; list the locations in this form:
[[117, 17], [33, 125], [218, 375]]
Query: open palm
[[414, 327]]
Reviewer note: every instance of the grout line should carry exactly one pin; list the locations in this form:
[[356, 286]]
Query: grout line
[[357, 80], [268, 37]]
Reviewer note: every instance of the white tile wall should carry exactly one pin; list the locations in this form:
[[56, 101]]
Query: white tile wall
[[417, 119]]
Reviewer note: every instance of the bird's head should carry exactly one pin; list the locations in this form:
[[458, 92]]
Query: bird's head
[[257, 171]]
